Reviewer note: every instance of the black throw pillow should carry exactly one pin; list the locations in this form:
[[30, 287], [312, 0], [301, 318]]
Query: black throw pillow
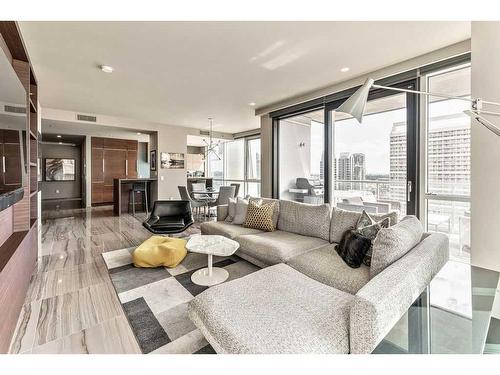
[[353, 248]]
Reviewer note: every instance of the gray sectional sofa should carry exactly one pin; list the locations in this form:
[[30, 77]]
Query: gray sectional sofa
[[306, 299]]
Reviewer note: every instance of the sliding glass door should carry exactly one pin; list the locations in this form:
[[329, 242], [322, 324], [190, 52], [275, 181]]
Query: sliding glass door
[[446, 204], [325, 156], [373, 162]]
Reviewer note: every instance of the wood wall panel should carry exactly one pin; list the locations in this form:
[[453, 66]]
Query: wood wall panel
[[97, 165], [18, 231], [6, 224], [22, 212], [131, 164], [111, 158], [14, 281]]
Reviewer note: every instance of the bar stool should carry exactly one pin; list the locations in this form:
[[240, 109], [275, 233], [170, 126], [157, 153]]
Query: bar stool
[[142, 189]]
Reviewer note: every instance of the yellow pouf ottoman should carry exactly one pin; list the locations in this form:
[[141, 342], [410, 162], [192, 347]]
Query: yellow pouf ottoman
[[160, 251]]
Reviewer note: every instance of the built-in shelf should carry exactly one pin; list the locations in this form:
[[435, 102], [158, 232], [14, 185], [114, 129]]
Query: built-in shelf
[[10, 246], [32, 106]]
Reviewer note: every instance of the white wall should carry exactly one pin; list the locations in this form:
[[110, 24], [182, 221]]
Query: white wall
[[485, 149], [295, 161]]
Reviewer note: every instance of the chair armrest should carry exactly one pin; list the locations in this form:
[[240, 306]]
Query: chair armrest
[[379, 305], [222, 211]]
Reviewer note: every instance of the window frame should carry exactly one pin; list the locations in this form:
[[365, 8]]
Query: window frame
[[243, 182]]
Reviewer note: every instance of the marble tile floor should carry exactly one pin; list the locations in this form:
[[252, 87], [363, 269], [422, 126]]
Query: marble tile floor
[[71, 305]]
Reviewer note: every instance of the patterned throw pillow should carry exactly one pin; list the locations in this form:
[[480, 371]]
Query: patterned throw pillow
[[260, 215], [369, 228]]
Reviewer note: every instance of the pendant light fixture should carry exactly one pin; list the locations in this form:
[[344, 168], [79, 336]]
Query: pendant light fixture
[[212, 147]]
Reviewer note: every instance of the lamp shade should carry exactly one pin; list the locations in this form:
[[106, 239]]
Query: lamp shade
[[356, 103]]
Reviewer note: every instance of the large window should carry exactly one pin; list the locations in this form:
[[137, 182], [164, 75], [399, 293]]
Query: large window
[[238, 163], [447, 197], [370, 159], [446, 202]]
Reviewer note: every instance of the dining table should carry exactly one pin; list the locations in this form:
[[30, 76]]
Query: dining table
[[209, 197]]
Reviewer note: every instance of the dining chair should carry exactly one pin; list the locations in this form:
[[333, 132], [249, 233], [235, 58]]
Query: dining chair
[[236, 190], [225, 192], [195, 204]]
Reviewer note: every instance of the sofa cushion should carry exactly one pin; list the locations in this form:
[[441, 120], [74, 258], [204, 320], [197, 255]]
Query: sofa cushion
[[306, 219], [226, 229], [278, 246], [275, 310], [327, 267], [343, 220], [394, 242]]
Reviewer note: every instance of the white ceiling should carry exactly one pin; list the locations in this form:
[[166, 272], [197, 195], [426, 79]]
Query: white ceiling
[[181, 73]]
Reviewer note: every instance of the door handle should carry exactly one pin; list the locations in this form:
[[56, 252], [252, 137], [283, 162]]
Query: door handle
[[408, 190], [103, 165], [126, 167], [3, 164]]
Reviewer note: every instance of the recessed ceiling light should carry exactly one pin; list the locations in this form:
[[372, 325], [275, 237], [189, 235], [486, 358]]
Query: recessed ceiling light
[[139, 133], [252, 104], [60, 143], [106, 68], [344, 69], [58, 136]]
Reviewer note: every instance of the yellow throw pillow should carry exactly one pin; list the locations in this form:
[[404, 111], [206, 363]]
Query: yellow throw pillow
[[160, 251], [260, 215]]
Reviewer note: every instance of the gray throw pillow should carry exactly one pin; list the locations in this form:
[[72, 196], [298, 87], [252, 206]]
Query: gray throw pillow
[[343, 220], [394, 242], [241, 211], [231, 210]]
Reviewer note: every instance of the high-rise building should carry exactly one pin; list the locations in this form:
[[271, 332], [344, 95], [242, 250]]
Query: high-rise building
[[349, 167], [448, 157], [397, 164]]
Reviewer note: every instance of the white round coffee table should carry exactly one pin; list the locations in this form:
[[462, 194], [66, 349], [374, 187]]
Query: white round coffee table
[[211, 245]]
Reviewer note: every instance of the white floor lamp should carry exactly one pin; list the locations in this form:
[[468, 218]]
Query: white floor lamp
[[355, 105]]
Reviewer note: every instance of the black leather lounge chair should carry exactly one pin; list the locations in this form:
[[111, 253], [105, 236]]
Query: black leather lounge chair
[[169, 217]]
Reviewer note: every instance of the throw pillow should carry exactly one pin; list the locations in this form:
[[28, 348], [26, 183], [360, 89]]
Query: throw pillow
[[368, 227], [231, 210], [260, 216], [241, 211], [343, 220], [353, 248], [276, 211], [394, 242]]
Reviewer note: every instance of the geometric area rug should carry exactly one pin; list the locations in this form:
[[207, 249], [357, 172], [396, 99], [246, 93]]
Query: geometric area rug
[[155, 299]]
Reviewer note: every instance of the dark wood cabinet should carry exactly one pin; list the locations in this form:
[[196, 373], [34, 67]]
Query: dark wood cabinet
[[111, 158]]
